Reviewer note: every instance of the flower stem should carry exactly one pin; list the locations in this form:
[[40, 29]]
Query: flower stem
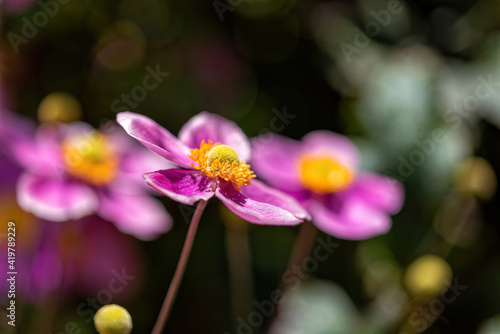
[[179, 271], [240, 269], [302, 248]]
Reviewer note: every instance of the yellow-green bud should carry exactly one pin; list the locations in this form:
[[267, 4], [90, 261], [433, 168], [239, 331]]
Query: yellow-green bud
[[59, 107], [475, 176], [113, 319], [427, 276]]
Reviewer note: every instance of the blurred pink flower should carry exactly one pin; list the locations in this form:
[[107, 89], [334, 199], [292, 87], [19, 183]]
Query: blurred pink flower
[[73, 170], [217, 169], [322, 172], [84, 256]]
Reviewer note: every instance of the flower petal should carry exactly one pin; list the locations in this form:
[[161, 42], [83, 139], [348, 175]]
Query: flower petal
[[354, 221], [184, 186], [55, 199], [104, 253], [141, 160], [40, 152], [139, 215], [42, 269], [261, 192], [155, 137], [333, 144], [275, 159], [134, 163], [13, 129], [207, 126], [10, 171], [382, 192], [134, 157], [260, 204]]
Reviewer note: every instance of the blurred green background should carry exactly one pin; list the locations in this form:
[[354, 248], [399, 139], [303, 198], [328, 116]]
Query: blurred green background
[[386, 73]]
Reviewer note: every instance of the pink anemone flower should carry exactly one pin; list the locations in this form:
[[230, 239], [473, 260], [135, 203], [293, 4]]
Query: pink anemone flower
[[73, 170], [322, 172], [212, 152]]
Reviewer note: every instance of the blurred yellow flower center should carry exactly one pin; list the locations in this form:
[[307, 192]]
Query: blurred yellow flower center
[[91, 158], [324, 175], [221, 161]]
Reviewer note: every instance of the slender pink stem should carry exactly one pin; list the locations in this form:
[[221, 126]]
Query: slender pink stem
[[302, 247], [168, 303]]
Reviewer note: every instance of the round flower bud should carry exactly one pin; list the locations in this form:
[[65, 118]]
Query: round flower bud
[[113, 319], [476, 177], [59, 107], [427, 276]]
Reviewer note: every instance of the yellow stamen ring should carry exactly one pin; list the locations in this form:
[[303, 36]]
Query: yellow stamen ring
[[91, 158], [221, 161]]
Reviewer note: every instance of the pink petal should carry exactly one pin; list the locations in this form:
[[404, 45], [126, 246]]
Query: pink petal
[[141, 160], [13, 127], [261, 204], [133, 164], [184, 186], [41, 152], [135, 160], [381, 192], [354, 221], [43, 271], [105, 255], [122, 141], [139, 215], [261, 192], [275, 159], [329, 143], [207, 126], [55, 199], [155, 137]]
